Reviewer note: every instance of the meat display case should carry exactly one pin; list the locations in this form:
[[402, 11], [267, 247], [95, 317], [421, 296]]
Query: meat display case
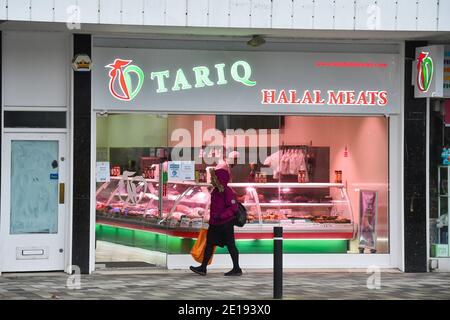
[[134, 203], [305, 210]]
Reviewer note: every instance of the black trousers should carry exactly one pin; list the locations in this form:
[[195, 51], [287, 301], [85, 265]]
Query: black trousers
[[220, 236]]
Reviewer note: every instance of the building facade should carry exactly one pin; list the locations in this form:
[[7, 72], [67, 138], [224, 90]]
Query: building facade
[[314, 99]]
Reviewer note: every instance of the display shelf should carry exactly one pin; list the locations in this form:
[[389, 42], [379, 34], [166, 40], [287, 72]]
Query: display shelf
[[330, 212], [290, 204], [287, 185]]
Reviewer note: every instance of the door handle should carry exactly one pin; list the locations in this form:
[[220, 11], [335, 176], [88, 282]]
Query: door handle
[[61, 193]]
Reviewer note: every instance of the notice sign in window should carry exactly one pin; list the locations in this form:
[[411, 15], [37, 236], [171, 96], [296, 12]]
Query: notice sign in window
[[181, 170], [102, 172]]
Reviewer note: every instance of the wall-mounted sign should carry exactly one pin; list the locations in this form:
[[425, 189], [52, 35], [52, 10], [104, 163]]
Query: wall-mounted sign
[[81, 62], [428, 74], [331, 98], [171, 81], [121, 83], [181, 170]]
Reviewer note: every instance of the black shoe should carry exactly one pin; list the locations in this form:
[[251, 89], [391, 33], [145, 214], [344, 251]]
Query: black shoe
[[234, 272], [198, 270]]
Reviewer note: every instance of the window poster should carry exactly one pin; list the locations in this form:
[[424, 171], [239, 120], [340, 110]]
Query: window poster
[[368, 205], [102, 172]]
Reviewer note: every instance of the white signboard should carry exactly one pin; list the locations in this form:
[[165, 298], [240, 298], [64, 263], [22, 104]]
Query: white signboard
[[171, 81], [181, 170], [102, 173]]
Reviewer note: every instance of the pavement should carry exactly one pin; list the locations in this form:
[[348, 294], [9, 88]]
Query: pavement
[[254, 284]]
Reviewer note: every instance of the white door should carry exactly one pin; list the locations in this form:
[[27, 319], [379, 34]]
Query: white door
[[33, 209]]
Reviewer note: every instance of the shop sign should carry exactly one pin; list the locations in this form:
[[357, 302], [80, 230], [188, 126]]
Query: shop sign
[[316, 97], [121, 84], [239, 81], [428, 74]]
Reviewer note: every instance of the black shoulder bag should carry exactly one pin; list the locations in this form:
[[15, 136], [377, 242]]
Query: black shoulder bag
[[241, 215]]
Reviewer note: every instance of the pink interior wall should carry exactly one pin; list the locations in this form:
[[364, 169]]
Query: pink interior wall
[[366, 166], [187, 122]]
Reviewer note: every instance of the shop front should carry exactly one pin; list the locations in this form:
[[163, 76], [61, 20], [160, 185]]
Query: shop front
[[311, 134]]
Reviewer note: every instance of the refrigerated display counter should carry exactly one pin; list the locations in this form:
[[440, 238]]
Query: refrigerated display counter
[[305, 210]]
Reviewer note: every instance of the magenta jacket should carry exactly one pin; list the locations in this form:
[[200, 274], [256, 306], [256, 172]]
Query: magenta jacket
[[223, 204]]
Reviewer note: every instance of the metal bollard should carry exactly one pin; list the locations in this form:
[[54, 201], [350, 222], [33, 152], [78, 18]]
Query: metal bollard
[[277, 262]]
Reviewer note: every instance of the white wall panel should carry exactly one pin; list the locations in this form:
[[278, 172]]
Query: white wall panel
[[3, 11], [197, 13], [406, 15], [344, 13], [65, 11], [282, 14], [110, 11], [35, 69], [42, 10], [364, 19], [402, 15], [154, 12], [386, 19], [19, 10], [240, 13], [88, 10], [427, 15], [176, 12], [444, 20], [132, 12], [323, 14], [260, 13], [219, 13], [303, 12]]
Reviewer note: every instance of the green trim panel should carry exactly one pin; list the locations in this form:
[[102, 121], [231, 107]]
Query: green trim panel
[[175, 245]]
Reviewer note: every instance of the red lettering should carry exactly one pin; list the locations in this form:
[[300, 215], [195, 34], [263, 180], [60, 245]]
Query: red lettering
[[362, 100], [317, 97], [372, 97], [307, 98], [268, 96], [382, 98], [335, 99], [350, 97], [293, 96], [282, 98]]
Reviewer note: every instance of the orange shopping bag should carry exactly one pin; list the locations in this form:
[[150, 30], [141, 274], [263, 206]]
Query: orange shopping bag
[[198, 249]]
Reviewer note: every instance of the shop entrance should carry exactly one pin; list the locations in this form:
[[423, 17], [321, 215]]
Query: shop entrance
[[34, 210]]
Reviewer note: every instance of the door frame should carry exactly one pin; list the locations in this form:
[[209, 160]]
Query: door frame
[[63, 135]]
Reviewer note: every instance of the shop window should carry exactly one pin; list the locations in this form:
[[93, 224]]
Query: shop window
[[324, 179], [439, 181]]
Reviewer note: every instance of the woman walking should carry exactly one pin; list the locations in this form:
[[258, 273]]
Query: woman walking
[[221, 222]]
